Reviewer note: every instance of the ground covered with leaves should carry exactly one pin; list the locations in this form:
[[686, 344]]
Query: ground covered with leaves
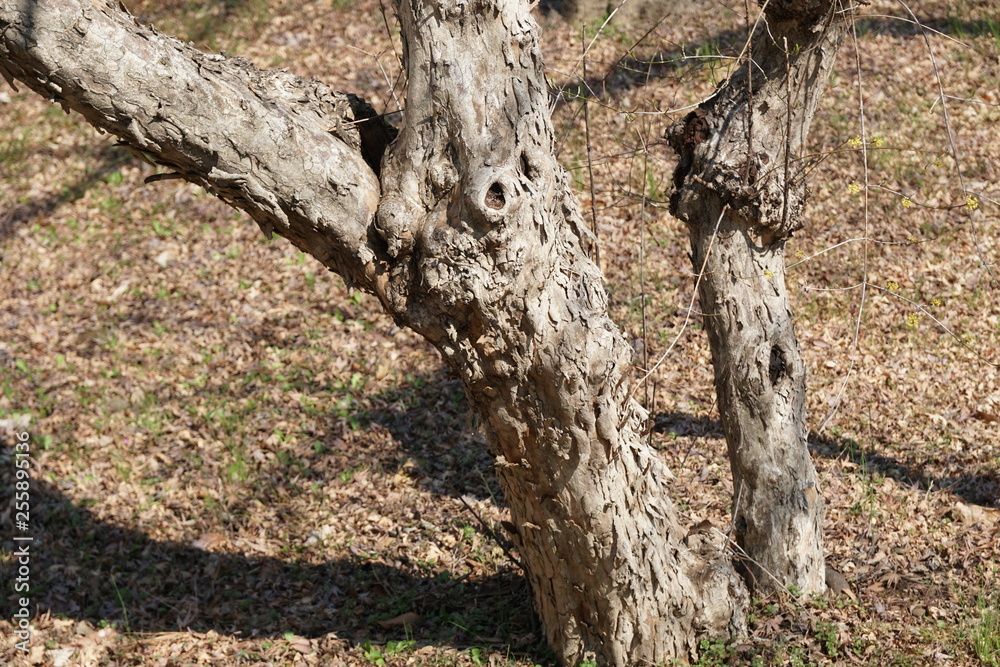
[[238, 461]]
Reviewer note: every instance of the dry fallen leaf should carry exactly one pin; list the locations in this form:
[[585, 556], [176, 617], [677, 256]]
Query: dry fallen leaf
[[209, 540], [972, 514], [300, 644], [985, 416]]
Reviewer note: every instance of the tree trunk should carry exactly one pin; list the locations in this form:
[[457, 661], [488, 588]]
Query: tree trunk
[[477, 244], [487, 262], [739, 186]]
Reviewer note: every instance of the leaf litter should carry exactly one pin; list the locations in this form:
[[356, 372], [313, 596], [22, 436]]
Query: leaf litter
[[241, 462]]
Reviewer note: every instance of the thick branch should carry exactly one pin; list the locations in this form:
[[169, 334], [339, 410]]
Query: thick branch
[[286, 151]]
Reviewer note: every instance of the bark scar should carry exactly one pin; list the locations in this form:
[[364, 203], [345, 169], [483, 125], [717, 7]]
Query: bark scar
[[684, 137], [777, 366]]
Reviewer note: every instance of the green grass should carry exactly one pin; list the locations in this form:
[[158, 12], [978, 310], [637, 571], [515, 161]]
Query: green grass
[[985, 632]]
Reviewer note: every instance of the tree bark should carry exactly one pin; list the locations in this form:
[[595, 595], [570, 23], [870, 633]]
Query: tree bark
[[287, 151], [739, 186], [472, 237], [486, 241]]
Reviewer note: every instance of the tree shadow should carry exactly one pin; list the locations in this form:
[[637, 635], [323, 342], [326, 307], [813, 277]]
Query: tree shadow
[[952, 26], [431, 419], [973, 488], [86, 569], [112, 158], [684, 424], [634, 71], [423, 426]]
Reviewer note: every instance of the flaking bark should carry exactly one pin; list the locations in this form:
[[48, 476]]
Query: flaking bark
[[473, 239], [488, 264], [286, 151], [739, 186]]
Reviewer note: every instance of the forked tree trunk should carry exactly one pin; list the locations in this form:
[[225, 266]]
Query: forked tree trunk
[[739, 186], [476, 244]]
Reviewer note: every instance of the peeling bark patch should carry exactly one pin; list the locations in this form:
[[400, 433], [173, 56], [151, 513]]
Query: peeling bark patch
[[494, 197], [777, 366], [684, 137]]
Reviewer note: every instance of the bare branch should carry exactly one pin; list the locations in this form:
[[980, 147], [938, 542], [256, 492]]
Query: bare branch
[[291, 153]]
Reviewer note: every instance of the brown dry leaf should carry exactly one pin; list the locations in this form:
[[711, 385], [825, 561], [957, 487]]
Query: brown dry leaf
[[974, 514], [300, 644], [209, 540], [985, 416], [36, 655], [60, 656]]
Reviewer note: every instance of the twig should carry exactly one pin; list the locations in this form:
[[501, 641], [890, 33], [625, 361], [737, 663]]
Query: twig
[[590, 159], [951, 143], [642, 265], [503, 544], [864, 278], [694, 293]]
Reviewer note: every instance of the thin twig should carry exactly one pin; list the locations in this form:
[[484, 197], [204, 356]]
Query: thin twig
[[864, 279], [503, 544], [694, 293], [642, 264], [590, 159], [951, 143], [385, 75]]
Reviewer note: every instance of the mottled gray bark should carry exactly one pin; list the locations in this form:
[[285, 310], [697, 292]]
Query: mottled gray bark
[[474, 240], [486, 241], [286, 151], [739, 186]]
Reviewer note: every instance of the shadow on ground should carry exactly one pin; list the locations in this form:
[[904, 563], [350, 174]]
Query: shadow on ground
[[433, 423], [634, 70], [975, 488], [24, 213], [85, 569]]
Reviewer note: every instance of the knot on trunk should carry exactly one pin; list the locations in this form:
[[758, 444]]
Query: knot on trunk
[[752, 186], [394, 223], [684, 136], [491, 197]]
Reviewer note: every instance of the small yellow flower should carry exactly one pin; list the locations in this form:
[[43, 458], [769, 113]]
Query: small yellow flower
[[855, 142], [912, 239], [799, 254], [939, 164], [971, 202], [907, 203], [878, 141], [854, 188], [937, 302], [912, 320], [768, 273], [892, 286]]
